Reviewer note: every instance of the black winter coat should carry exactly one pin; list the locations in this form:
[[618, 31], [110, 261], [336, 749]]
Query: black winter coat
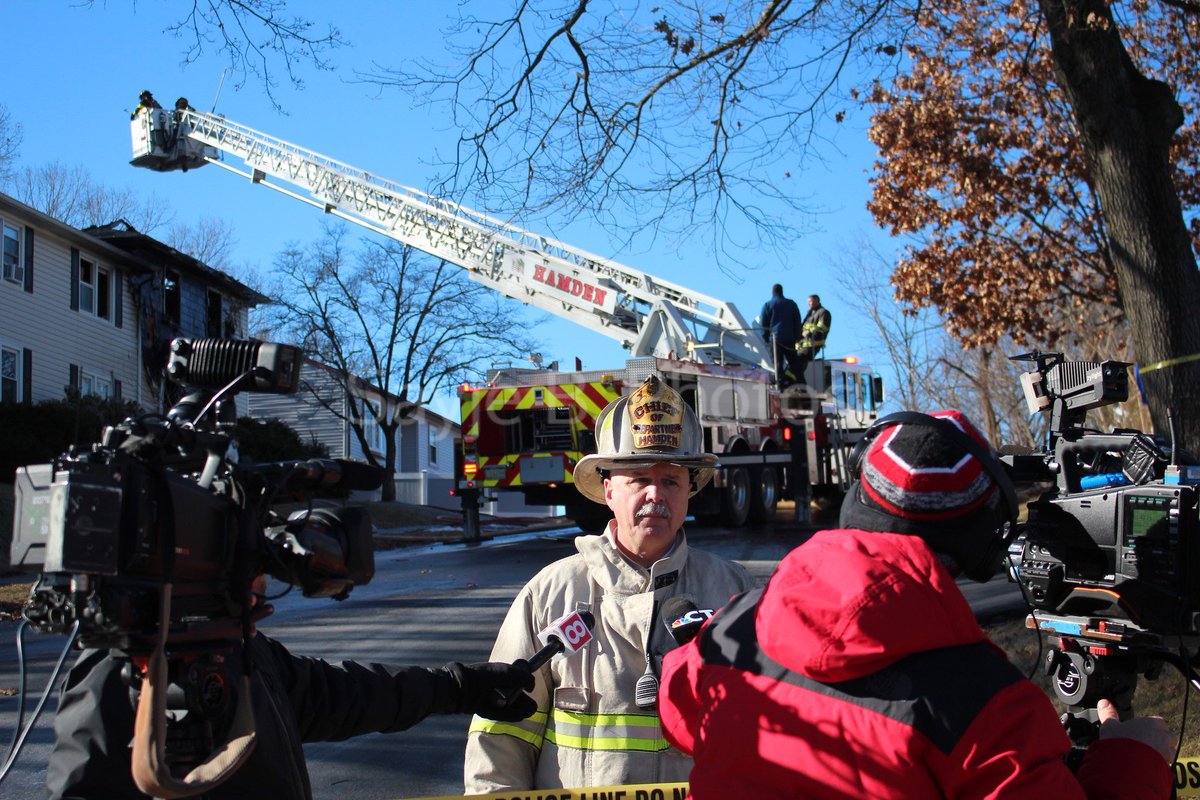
[[296, 699]]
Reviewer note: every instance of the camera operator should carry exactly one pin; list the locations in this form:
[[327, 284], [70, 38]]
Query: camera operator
[[295, 699], [860, 670]]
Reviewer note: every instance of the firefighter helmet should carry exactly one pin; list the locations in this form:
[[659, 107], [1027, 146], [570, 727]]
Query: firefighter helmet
[[650, 426]]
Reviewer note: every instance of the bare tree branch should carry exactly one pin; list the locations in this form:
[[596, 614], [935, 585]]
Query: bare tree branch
[[676, 117], [10, 143], [256, 37], [388, 317], [70, 194]]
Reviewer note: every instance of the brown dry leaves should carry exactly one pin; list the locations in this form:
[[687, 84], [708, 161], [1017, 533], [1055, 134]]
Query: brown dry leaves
[[979, 161]]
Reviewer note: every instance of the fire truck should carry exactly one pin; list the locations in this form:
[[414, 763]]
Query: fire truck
[[524, 429]]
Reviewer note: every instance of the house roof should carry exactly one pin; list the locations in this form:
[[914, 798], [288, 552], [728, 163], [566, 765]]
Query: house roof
[[124, 236], [72, 234]]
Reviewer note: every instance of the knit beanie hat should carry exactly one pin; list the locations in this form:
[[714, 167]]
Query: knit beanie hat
[[918, 478]]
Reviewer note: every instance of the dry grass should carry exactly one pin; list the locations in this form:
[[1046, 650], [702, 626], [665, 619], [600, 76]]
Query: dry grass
[[403, 515], [12, 595]]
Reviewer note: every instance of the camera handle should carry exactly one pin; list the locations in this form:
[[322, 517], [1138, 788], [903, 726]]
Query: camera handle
[[150, 770], [1081, 679]]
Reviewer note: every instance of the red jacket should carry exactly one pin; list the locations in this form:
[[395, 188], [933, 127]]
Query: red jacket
[[860, 672]]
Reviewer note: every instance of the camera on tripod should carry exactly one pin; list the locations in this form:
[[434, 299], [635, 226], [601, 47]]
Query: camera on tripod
[[166, 500], [1109, 557]]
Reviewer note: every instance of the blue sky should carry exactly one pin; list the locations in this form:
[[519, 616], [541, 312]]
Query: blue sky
[[79, 70]]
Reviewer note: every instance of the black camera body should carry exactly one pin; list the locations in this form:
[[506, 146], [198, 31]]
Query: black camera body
[[1109, 557], [1126, 553], [166, 500]]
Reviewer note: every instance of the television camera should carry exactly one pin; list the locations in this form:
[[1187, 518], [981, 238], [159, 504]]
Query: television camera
[[149, 541], [1109, 558]]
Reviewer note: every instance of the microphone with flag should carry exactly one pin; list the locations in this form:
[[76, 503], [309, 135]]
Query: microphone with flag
[[683, 619], [566, 635]]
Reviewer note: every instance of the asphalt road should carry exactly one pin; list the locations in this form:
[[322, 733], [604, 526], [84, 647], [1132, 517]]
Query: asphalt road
[[427, 606]]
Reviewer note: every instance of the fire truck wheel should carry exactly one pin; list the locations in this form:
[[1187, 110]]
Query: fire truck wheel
[[735, 497], [590, 517], [764, 495]]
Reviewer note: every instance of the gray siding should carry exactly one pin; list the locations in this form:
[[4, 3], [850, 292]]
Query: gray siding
[[443, 433], [310, 419], [304, 414], [192, 322], [58, 337], [410, 433]]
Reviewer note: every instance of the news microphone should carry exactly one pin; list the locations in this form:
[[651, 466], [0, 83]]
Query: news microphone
[[683, 619], [565, 635]]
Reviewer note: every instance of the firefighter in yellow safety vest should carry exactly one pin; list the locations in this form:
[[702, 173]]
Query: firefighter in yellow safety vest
[[597, 722]]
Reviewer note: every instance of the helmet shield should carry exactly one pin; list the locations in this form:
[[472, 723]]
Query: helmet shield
[[650, 426]]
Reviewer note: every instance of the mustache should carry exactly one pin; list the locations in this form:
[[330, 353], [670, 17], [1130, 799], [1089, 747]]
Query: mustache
[[652, 510]]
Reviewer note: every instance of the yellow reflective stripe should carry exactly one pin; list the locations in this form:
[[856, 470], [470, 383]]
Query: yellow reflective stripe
[[529, 730], [579, 394], [580, 718], [613, 732], [496, 399], [618, 744], [470, 401]]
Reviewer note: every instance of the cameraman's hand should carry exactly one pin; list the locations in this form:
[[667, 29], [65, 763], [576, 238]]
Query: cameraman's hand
[[494, 690], [1152, 731]]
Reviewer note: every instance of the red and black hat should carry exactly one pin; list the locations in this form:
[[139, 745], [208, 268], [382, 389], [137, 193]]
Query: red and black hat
[[932, 476]]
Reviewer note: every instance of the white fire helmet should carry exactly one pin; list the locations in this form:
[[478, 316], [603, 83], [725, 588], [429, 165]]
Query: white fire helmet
[[650, 426]]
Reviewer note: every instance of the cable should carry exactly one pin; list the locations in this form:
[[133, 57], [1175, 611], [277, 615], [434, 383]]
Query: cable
[[1014, 571], [1188, 685], [12, 746], [19, 739], [212, 401]]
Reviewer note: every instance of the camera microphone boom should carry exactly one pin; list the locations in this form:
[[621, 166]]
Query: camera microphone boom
[[322, 473], [1108, 556], [684, 619], [148, 543]]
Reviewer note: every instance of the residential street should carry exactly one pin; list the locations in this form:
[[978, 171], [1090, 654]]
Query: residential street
[[426, 605]]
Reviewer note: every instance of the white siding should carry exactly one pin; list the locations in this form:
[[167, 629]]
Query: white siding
[[309, 418], [43, 321], [304, 414]]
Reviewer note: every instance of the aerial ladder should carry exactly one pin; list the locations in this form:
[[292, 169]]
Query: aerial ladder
[[523, 430], [648, 316]]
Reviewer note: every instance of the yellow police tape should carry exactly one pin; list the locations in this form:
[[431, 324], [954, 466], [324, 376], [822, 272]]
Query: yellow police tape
[[640, 791], [1187, 784], [1187, 777], [1170, 362]]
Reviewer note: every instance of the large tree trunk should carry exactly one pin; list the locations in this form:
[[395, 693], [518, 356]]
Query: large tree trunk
[[1126, 122], [389, 463]]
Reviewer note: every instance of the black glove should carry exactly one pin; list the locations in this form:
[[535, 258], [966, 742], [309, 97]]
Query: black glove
[[494, 690]]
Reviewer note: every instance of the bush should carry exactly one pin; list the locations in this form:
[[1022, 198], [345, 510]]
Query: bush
[[36, 434], [272, 440]]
